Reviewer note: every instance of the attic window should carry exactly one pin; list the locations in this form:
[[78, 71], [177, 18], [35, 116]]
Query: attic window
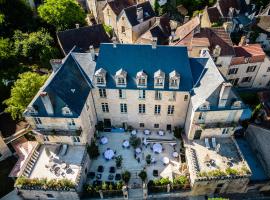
[[100, 80], [33, 110], [159, 79], [141, 79], [66, 111], [100, 77], [174, 80], [205, 106], [121, 78]]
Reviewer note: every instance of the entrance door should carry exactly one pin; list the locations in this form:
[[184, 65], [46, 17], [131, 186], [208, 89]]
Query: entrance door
[[197, 134], [169, 127], [107, 125]]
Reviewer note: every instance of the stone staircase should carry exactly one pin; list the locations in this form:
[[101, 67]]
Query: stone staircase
[[135, 185]]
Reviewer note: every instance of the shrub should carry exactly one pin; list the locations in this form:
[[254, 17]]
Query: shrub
[[126, 176], [119, 185], [134, 141], [118, 161], [108, 30], [92, 150], [231, 171], [162, 181], [148, 159], [180, 180], [143, 175]]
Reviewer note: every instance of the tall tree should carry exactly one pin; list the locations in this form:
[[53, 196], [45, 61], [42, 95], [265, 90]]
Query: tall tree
[[62, 14], [23, 91]]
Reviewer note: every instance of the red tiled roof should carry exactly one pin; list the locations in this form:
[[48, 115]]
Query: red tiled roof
[[254, 52], [184, 30]]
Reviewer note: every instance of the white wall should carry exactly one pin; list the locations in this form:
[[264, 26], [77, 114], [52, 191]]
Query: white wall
[[263, 76]]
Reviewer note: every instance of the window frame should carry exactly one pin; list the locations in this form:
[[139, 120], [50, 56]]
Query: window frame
[[105, 107], [157, 109], [233, 71], [102, 93], [123, 108], [142, 109], [170, 110]]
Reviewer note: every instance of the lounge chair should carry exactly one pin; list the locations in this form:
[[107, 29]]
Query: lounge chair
[[117, 177], [206, 140], [100, 169], [112, 170], [214, 143]]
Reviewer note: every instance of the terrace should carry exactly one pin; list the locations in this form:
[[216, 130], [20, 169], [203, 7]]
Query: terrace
[[163, 148], [225, 160], [55, 162]]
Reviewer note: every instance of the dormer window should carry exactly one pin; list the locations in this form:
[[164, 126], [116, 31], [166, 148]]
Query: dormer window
[[66, 111], [159, 77], [236, 104], [100, 77], [32, 110], [141, 79], [205, 106], [174, 80], [121, 78]]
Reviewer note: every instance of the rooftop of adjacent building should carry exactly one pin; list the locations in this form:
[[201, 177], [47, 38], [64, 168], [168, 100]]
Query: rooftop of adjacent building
[[203, 160], [55, 161]]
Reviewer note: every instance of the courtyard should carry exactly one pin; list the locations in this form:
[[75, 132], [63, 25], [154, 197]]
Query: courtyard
[[163, 148]]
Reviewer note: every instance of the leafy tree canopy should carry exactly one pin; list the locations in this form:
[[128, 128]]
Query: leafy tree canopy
[[36, 45], [23, 91], [62, 14]]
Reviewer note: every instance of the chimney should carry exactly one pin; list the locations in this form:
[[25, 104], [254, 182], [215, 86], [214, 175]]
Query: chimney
[[47, 103], [154, 43], [242, 41], [77, 26], [224, 94], [114, 42], [56, 64], [139, 14], [92, 51]]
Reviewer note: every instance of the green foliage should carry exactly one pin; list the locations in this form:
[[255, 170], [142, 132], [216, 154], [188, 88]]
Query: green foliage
[[228, 172], [7, 55], [231, 171], [180, 180], [118, 161], [217, 24], [93, 150], [62, 14], [134, 141], [36, 45], [126, 176], [108, 30], [44, 183], [143, 175], [148, 159], [197, 12], [22, 92], [161, 181]]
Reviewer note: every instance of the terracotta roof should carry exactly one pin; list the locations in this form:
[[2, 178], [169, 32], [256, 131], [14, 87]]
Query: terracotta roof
[[217, 36], [200, 42], [118, 5], [184, 30], [213, 14], [253, 52]]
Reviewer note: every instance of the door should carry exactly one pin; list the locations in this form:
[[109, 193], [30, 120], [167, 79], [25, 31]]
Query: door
[[107, 125], [197, 134], [169, 127]]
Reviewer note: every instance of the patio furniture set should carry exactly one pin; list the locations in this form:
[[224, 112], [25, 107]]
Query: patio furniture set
[[98, 176], [58, 167]]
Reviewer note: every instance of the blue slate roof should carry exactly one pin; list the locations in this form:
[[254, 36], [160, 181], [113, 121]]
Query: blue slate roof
[[134, 58], [60, 87]]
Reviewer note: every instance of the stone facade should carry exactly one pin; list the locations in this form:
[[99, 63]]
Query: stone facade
[[95, 7], [4, 150]]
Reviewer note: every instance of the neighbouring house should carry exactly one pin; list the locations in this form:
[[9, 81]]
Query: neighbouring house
[[82, 38], [161, 30], [237, 14], [134, 21]]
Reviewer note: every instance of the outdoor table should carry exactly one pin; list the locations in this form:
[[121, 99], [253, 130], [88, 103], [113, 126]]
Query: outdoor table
[[175, 154], [146, 132], [138, 150], [157, 148], [165, 160], [63, 165], [133, 132], [126, 143], [109, 154], [145, 142], [161, 133], [104, 140]]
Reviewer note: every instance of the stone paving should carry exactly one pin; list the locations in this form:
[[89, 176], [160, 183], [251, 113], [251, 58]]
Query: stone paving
[[129, 163]]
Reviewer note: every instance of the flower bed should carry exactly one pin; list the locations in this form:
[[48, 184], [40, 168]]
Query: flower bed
[[43, 183]]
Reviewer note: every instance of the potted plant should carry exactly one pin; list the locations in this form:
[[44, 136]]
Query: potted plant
[[148, 159], [126, 176], [134, 141], [118, 161], [143, 175]]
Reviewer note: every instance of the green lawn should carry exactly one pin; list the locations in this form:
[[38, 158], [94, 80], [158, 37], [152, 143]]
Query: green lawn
[[6, 182]]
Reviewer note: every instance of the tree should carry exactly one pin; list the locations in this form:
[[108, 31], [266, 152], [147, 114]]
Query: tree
[[6, 52], [35, 45], [23, 91], [62, 14], [143, 175], [92, 150]]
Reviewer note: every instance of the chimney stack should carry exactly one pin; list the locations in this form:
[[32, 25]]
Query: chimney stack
[[114, 42], [224, 94], [139, 14], [77, 26], [154, 43], [242, 41], [47, 103], [92, 51]]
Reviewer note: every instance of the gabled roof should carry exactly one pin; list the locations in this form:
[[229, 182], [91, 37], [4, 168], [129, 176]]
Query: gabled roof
[[131, 12], [68, 86], [134, 58], [225, 5], [264, 23], [182, 31], [118, 5], [82, 38]]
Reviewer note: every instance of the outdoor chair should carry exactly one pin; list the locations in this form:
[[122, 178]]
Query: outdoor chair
[[117, 177], [100, 169], [155, 172], [112, 170], [110, 177], [91, 175], [99, 176]]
